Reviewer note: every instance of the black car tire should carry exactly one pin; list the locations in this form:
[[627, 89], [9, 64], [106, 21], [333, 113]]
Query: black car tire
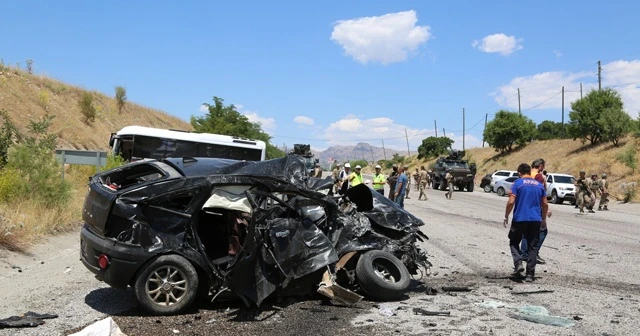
[[470, 186], [487, 188], [500, 191], [434, 185], [162, 276], [442, 185], [382, 276], [555, 199]]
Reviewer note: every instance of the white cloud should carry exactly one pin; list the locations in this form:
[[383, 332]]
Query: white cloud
[[203, 108], [268, 124], [302, 120], [557, 53], [543, 90], [351, 130], [470, 141], [498, 43], [386, 39]]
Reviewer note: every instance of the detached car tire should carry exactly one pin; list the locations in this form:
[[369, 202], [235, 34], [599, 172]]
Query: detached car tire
[[166, 285], [382, 276]]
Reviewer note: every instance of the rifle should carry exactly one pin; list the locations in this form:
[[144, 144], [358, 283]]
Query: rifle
[[584, 187]]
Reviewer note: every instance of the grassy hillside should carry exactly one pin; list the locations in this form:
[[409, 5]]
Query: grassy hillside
[[26, 96]]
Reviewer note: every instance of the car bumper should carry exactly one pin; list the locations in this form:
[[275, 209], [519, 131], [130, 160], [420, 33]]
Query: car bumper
[[125, 259], [566, 195]]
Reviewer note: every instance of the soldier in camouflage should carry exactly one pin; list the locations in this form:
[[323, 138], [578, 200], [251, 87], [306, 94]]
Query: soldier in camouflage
[[594, 187], [604, 193], [582, 191]]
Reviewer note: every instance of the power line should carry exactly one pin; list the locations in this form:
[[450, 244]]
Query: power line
[[544, 102]]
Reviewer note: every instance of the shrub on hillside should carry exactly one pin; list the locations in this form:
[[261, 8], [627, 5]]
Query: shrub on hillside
[[86, 107], [8, 133], [11, 184], [628, 157], [34, 162], [361, 163], [121, 97]]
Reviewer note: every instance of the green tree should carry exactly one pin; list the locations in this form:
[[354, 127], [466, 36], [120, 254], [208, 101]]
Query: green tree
[[550, 130], [586, 121], [434, 146], [508, 129], [86, 107], [121, 97], [221, 119], [616, 124]]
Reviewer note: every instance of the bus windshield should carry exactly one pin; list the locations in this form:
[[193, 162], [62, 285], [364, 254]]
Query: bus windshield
[[136, 143]]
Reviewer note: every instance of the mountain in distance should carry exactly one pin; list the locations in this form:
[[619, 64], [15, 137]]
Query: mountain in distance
[[361, 151]]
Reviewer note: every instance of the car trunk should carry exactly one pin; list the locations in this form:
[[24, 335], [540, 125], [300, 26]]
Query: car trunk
[[106, 187]]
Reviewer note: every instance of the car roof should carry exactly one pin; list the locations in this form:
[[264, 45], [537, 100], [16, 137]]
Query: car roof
[[558, 174]]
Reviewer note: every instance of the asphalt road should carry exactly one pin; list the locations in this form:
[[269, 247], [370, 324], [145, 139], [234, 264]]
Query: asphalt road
[[591, 268]]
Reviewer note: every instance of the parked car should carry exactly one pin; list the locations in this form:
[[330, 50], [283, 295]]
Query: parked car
[[560, 187], [485, 183], [499, 175], [181, 227], [503, 186]]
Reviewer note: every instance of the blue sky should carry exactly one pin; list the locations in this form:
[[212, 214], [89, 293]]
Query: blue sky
[[336, 72]]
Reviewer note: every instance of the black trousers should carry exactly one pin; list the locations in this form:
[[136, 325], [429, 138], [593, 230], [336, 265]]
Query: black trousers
[[531, 232]]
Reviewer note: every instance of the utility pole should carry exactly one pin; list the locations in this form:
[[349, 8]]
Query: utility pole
[[435, 125], [580, 90], [463, 129], [444, 134], [599, 76], [384, 152], [407, 137], [519, 110], [563, 111], [486, 116], [372, 158]]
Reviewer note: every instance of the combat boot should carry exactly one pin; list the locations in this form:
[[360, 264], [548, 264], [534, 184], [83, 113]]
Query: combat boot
[[605, 208], [599, 208]]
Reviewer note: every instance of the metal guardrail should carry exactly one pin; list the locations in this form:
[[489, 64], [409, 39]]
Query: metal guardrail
[[81, 157]]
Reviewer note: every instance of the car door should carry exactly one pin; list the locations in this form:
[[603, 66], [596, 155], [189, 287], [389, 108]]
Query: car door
[[549, 184]]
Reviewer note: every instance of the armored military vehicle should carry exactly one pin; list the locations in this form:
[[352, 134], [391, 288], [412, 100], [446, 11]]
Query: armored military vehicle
[[462, 171]]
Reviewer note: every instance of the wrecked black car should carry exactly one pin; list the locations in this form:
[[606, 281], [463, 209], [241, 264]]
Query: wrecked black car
[[178, 228]]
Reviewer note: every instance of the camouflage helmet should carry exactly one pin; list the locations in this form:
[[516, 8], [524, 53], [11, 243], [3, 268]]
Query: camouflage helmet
[[582, 172], [594, 174], [604, 175]]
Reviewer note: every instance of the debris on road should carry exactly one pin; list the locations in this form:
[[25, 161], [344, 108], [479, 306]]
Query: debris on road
[[104, 327], [533, 292], [491, 304], [26, 320], [539, 314], [420, 311], [457, 289], [385, 310]]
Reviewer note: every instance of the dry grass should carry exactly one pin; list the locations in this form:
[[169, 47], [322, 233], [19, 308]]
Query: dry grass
[[26, 96], [23, 222]]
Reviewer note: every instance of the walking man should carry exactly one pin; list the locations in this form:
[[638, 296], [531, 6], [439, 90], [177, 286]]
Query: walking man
[[594, 186], [528, 201], [537, 171], [582, 191], [379, 180], [604, 193], [401, 187], [423, 180], [407, 172], [318, 171], [449, 178], [392, 179]]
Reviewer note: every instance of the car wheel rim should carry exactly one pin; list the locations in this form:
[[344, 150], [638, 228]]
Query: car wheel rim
[[166, 286], [383, 272]]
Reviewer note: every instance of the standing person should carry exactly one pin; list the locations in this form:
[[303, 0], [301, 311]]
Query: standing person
[[401, 187], [537, 171], [344, 178], [317, 172], [604, 193], [423, 181], [594, 186], [392, 179], [407, 172], [379, 180], [449, 178], [416, 179], [336, 177], [355, 178], [528, 201], [582, 191]]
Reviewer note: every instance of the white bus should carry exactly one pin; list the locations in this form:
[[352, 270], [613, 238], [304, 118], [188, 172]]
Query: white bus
[[137, 142]]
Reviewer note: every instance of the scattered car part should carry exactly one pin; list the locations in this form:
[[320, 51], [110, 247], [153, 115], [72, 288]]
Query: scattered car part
[[382, 276], [26, 320], [421, 311]]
